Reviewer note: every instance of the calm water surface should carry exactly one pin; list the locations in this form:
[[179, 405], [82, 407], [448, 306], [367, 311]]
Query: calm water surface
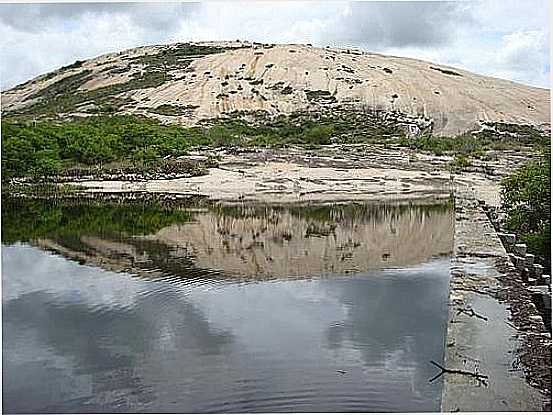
[[110, 308]]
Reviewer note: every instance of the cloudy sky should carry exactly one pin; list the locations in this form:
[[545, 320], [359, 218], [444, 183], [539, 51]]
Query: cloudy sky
[[503, 38]]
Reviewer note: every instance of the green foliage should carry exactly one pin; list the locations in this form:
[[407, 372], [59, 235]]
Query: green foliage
[[319, 95], [174, 110], [47, 163], [63, 96], [45, 147], [464, 144], [446, 71], [460, 162], [66, 85], [177, 55], [319, 134], [74, 65], [524, 133], [475, 145], [526, 199]]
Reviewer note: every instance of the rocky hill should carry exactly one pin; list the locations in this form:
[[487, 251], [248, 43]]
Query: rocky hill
[[188, 82]]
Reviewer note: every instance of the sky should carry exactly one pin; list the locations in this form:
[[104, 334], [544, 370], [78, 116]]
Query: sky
[[507, 39]]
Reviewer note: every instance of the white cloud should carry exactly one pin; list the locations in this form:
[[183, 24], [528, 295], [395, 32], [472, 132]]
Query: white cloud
[[523, 55], [521, 48]]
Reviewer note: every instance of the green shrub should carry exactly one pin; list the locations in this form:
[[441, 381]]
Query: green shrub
[[460, 162], [47, 163], [319, 134], [526, 199], [475, 145]]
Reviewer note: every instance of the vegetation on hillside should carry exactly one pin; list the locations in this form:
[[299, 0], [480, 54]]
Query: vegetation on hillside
[[177, 56], [526, 199], [65, 95], [503, 136]]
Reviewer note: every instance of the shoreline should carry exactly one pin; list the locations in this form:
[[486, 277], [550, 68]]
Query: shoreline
[[296, 174]]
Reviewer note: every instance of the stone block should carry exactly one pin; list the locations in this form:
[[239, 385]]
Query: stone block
[[520, 249], [538, 270], [524, 275], [529, 261], [536, 319], [507, 238], [519, 263]]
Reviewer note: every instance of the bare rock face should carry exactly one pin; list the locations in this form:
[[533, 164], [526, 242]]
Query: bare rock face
[[188, 82]]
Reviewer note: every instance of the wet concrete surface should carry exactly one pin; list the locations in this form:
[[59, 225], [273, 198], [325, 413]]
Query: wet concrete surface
[[480, 337]]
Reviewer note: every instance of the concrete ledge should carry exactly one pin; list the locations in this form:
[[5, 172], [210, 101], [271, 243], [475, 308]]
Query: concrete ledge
[[480, 336]]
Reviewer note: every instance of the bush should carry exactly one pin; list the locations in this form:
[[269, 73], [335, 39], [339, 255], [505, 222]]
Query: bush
[[460, 162], [475, 144], [44, 148], [526, 199], [47, 163], [319, 134]]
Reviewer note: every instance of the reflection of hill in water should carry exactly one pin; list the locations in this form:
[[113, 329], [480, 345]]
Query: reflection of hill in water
[[280, 243], [259, 241]]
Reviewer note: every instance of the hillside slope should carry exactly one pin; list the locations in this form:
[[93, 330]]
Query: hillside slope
[[187, 82]]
